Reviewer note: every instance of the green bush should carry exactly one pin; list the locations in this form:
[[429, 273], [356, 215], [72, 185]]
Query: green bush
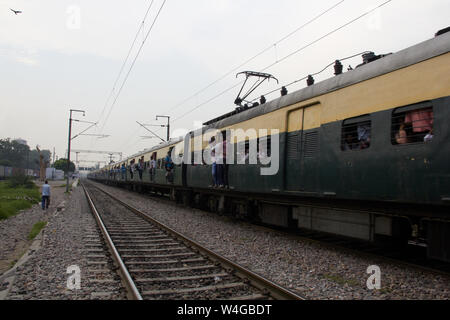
[[21, 181]]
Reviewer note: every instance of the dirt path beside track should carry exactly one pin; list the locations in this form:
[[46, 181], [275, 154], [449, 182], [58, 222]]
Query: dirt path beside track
[[14, 230]]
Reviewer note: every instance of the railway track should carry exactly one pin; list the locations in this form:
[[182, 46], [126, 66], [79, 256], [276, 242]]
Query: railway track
[[156, 262], [410, 256]]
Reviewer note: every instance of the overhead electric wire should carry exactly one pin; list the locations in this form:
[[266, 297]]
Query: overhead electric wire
[[326, 35], [126, 59], [288, 56], [132, 65], [209, 100], [141, 25], [244, 63], [256, 55]]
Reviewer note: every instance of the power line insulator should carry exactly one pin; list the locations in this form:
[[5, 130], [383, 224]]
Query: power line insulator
[[262, 100], [338, 68]]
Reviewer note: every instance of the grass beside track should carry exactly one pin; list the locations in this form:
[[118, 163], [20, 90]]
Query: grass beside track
[[12, 200], [36, 229]]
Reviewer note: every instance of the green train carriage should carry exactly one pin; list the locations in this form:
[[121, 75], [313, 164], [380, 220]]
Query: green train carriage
[[411, 179], [386, 189]]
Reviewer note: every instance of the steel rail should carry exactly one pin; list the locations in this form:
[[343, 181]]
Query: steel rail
[[348, 249], [133, 291], [266, 285]]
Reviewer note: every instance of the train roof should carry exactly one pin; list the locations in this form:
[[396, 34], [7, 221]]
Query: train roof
[[162, 145], [428, 49], [420, 52]]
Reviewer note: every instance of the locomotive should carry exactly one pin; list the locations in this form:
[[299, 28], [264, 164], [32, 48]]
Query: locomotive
[[364, 154]]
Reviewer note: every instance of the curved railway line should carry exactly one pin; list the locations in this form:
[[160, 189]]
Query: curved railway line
[[156, 262]]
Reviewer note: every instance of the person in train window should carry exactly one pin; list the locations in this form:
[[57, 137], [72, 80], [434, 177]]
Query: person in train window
[[421, 120], [428, 137], [364, 136], [349, 143], [169, 168], [401, 136]]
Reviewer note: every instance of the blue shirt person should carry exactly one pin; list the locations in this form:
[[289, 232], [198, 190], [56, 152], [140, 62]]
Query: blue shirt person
[[169, 168], [45, 195]]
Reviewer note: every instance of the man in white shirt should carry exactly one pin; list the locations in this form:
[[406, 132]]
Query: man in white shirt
[[45, 195], [153, 167]]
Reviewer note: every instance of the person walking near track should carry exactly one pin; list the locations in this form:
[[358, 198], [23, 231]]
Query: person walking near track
[[45, 195]]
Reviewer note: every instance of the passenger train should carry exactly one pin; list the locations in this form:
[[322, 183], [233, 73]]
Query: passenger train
[[364, 154]]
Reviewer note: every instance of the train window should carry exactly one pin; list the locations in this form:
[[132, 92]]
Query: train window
[[264, 147], [356, 133], [243, 155], [412, 124]]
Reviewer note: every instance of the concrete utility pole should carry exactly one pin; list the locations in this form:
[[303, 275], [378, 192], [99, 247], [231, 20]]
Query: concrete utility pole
[[68, 148]]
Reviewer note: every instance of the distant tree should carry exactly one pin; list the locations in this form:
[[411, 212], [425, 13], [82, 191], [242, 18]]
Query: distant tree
[[15, 154], [61, 164], [34, 158]]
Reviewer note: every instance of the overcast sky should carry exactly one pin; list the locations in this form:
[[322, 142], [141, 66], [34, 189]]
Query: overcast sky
[[58, 54]]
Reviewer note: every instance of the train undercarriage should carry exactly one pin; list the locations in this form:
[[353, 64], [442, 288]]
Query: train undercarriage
[[400, 224]]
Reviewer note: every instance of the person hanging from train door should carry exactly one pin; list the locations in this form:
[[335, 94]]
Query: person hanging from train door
[[168, 164], [130, 167], [212, 143], [224, 156], [153, 167], [45, 195], [218, 152], [140, 167]]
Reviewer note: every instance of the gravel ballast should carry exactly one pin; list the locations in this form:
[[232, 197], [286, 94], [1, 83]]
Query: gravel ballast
[[64, 242], [307, 268]]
